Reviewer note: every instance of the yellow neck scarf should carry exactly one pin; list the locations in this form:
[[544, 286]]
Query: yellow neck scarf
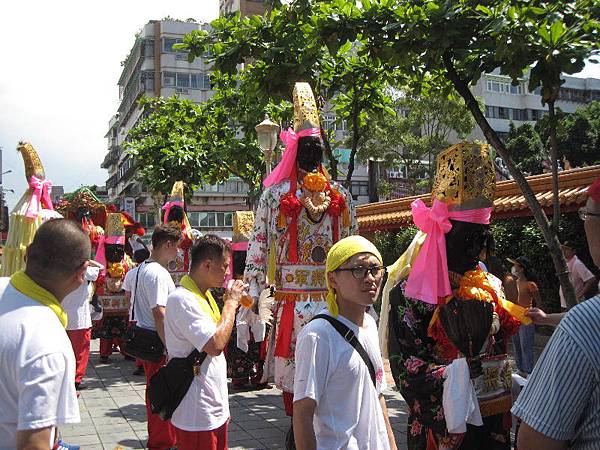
[[26, 286], [208, 305]]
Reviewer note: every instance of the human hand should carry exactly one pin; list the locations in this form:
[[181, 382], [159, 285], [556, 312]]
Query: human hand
[[538, 316], [234, 291]]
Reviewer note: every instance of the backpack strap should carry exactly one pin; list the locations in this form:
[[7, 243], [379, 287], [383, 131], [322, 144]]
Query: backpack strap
[[351, 339]]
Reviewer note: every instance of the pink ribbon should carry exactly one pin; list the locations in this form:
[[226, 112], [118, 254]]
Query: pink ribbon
[[285, 167], [40, 197], [428, 280], [100, 253], [167, 207]]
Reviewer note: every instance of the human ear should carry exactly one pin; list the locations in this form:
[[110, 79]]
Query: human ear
[[332, 281]]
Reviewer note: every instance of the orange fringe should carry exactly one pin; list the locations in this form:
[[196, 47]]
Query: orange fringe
[[495, 406], [282, 220]]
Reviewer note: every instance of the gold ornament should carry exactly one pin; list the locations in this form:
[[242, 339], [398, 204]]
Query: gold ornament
[[306, 115], [33, 163], [243, 223], [316, 203]]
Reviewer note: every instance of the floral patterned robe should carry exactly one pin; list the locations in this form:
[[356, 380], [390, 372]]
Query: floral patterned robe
[[418, 361], [301, 287]]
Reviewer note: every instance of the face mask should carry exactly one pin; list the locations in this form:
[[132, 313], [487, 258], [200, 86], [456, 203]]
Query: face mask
[[515, 272]]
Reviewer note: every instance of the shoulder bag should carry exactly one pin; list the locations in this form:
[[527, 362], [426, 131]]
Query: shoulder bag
[[139, 342]]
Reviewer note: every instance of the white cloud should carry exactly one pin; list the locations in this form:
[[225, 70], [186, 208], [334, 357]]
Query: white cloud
[[58, 84]]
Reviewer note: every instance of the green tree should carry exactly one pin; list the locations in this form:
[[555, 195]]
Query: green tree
[[271, 53], [419, 129], [461, 40], [526, 148]]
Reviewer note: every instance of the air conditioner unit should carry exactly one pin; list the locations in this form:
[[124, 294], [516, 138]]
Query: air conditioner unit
[[182, 91]]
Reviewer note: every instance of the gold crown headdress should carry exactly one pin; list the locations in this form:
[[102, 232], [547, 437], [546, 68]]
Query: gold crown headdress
[[465, 177], [243, 224], [114, 227], [177, 192], [306, 114], [32, 161]]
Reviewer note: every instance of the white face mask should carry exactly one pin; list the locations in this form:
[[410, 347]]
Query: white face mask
[[515, 272]]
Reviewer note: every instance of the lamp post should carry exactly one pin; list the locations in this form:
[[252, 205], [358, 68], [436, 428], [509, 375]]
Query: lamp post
[[267, 132]]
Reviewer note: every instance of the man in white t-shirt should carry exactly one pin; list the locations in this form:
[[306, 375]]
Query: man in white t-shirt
[[151, 287], [193, 321], [338, 401], [584, 281], [79, 328], [128, 283], [37, 366]]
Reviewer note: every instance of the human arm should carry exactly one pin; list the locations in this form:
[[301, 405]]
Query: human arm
[[529, 439], [539, 317], [217, 343], [388, 425], [38, 439], [304, 431], [158, 312], [590, 286]]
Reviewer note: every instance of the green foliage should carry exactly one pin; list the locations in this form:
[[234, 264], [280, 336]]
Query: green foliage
[[393, 244], [526, 149], [416, 132]]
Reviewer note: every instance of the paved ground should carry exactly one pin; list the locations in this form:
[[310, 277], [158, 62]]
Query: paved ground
[[113, 413]]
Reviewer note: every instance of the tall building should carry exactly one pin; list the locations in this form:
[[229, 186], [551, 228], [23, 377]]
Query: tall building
[[245, 7], [154, 68]]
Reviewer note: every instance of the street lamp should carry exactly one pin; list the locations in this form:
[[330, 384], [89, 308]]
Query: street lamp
[[267, 132]]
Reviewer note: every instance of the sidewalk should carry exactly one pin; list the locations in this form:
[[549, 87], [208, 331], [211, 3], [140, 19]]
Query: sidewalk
[[113, 414]]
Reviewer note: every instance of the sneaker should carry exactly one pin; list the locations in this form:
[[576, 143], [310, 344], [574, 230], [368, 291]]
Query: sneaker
[[62, 445]]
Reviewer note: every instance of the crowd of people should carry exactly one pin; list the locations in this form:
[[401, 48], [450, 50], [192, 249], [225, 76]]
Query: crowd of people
[[294, 306]]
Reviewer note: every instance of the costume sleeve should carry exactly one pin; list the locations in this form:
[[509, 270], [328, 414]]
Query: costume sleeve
[[46, 393], [312, 365], [553, 401], [255, 273], [353, 229]]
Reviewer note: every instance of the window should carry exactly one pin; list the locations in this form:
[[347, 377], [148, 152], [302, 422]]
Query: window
[[147, 81], [168, 44], [211, 219], [183, 80], [359, 188], [147, 219], [149, 48], [169, 79], [503, 113], [199, 81]]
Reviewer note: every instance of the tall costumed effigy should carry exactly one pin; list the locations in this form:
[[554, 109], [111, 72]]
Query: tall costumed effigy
[[445, 323], [301, 214], [174, 212], [33, 208]]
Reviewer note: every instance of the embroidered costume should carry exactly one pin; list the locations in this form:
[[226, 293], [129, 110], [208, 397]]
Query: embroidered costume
[[434, 329], [300, 215]]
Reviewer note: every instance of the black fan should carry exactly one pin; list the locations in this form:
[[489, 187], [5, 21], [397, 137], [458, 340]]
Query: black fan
[[467, 324]]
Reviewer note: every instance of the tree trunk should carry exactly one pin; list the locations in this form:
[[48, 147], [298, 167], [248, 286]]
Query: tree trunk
[[554, 161], [329, 154], [549, 234], [355, 138]]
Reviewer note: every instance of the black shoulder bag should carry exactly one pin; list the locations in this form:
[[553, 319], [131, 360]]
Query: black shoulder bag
[[351, 339], [169, 385], [139, 342]]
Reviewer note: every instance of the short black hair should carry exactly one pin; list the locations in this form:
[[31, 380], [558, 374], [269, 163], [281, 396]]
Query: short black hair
[[60, 247], [165, 232], [206, 247]]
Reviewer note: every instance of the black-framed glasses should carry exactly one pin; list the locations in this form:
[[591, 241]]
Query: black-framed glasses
[[360, 273], [584, 214]]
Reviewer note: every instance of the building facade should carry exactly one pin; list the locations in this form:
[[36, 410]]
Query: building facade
[[154, 68], [245, 7]]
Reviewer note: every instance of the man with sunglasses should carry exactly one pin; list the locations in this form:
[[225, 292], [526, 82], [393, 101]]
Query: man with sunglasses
[[339, 382], [560, 405]]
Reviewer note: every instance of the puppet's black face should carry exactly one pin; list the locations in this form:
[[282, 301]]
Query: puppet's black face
[[464, 243], [175, 214], [310, 153], [114, 252]]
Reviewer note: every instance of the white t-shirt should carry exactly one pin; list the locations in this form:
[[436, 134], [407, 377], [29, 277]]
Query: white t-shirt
[[205, 407], [153, 287], [37, 367], [129, 286], [578, 274], [328, 370], [77, 303]]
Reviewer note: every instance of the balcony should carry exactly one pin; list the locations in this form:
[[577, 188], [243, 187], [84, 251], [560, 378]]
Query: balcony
[[111, 158], [111, 182]]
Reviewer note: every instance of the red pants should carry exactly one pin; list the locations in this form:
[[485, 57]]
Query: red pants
[[80, 340], [288, 403], [106, 346], [205, 440], [161, 434]]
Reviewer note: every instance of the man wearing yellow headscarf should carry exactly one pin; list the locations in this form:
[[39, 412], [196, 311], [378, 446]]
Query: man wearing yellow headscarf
[[338, 400]]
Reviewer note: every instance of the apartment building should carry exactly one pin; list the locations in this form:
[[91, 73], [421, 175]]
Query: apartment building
[[245, 7], [154, 68]]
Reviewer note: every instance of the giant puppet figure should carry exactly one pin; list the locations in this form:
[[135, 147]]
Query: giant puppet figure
[[449, 321], [175, 213], [300, 215], [32, 209], [109, 286]]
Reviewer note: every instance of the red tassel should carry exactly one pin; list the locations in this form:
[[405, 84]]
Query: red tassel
[[284, 334], [335, 224]]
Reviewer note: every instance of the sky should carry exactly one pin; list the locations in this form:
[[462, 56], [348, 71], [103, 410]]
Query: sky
[[59, 67]]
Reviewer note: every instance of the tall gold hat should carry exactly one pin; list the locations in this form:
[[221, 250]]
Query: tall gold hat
[[243, 223], [177, 192], [465, 177], [115, 228], [306, 115], [32, 161]]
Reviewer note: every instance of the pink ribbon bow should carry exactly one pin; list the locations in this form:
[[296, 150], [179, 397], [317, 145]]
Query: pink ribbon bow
[[428, 280], [40, 197], [285, 167]]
